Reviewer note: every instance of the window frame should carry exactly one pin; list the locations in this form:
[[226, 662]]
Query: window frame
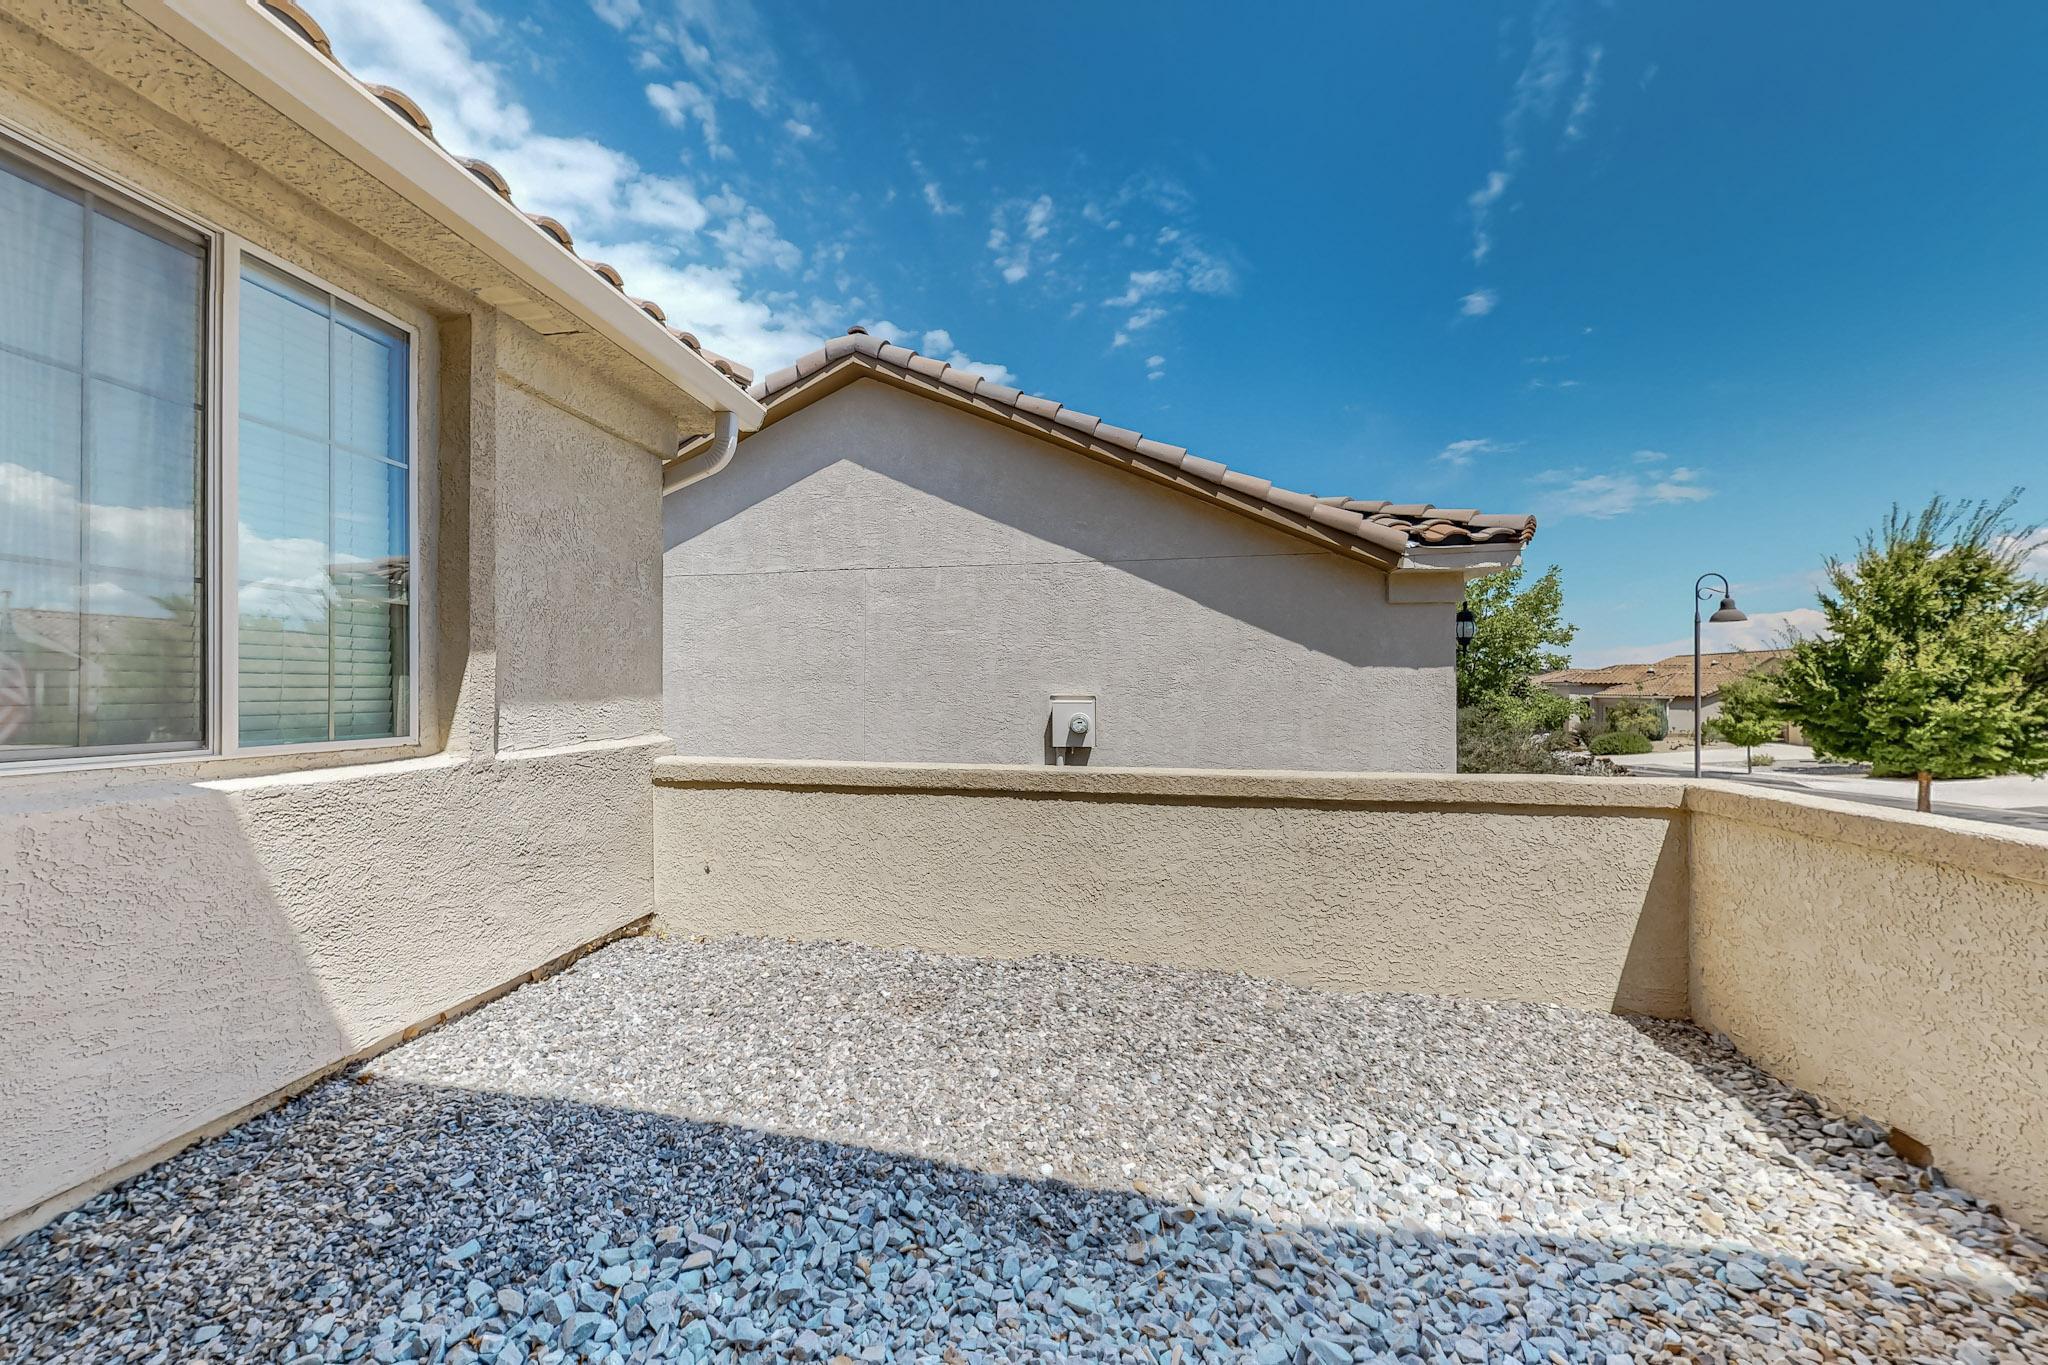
[[219, 467]]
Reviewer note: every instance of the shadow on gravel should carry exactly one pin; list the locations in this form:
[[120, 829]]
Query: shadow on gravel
[[350, 1197]]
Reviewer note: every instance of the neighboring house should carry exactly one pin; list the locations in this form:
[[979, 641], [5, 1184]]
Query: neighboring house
[[910, 561], [1665, 685], [330, 524]]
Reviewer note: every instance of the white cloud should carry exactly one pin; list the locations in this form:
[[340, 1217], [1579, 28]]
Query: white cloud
[[798, 129], [935, 199], [1016, 230], [620, 14], [1461, 453], [1144, 284], [750, 240], [1478, 303], [1763, 630], [1650, 457], [1606, 495], [1155, 367], [651, 227], [1589, 89], [680, 101], [1553, 56]]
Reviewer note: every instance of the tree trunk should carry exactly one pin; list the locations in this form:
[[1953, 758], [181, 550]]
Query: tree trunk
[[1925, 782], [1748, 760]]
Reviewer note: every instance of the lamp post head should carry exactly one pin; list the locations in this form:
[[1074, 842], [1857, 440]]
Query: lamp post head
[[1729, 611], [1468, 626]]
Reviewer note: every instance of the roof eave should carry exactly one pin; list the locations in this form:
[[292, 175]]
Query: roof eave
[[259, 53], [856, 366]]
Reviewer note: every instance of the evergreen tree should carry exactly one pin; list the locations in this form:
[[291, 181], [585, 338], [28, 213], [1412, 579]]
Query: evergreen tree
[[1752, 713], [1937, 658]]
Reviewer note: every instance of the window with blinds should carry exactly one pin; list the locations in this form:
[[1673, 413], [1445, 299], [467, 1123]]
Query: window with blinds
[[172, 578], [102, 407], [323, 567]]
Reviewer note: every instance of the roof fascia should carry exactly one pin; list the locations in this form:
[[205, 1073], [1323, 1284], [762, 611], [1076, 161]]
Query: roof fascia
[[259, 53], [856, 366]]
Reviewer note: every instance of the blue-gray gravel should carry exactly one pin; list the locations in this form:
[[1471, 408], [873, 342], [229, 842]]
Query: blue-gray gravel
[[747, 1150]]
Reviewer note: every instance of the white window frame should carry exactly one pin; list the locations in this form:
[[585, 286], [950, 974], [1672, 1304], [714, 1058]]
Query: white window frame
[[219, 469]]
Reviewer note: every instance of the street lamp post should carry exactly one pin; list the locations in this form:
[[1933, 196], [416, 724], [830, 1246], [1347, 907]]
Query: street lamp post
[[1727, 611]]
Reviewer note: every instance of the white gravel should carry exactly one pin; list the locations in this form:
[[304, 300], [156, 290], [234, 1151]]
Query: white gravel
[[748, 1150]]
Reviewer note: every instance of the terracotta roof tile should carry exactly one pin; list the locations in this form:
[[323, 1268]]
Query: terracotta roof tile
[[1384, 525], [295, 18]]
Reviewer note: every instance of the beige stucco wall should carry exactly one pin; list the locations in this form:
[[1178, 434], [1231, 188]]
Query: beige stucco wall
[[1556, 890], [180, 939], [1896, 965], [881, 577]]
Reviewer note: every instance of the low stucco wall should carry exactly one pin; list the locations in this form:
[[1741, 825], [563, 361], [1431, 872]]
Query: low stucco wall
[[1896, 965], [1552, 890], [175, 949]]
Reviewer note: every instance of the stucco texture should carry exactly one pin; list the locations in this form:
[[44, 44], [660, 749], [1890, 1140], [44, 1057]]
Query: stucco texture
[[179, 940], [1895, 965], [880, 577], [1571, 894], [172, 950]]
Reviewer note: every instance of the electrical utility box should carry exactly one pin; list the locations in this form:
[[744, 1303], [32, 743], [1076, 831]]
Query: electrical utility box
[[1073, 721]]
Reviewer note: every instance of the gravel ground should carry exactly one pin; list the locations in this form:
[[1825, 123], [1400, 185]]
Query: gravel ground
[[754, 1151]]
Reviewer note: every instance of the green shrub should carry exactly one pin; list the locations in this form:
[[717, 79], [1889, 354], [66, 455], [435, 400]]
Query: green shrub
[[1636, 718], [1490, 742], [1621, 742]]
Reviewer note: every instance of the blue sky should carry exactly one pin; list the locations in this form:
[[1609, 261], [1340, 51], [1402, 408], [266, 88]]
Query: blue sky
[[1704, 286]]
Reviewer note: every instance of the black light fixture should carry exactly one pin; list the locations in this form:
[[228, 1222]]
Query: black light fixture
[[1468, 626], [1727, 611]]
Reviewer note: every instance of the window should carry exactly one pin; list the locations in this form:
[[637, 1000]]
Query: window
[[129, 623], [322, 542]]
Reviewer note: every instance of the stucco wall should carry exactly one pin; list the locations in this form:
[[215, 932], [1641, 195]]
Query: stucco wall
[[180, 939], [1562, 890], [1896, 965], [881, 577]]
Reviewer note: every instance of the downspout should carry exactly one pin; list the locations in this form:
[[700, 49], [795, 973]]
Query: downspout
[[720, 444]]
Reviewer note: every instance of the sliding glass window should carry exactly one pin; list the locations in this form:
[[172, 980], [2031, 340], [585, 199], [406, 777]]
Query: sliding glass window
[[102, 450], [323, 541]]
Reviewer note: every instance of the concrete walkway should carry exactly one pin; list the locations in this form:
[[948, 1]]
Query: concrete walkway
[[2016, 802]]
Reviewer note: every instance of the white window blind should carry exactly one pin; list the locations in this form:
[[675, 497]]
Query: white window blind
[[102, 383], [323, 567]]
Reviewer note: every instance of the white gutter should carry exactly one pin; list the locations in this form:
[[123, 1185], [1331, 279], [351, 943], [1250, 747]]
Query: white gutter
[[720, 444], [259, 53]]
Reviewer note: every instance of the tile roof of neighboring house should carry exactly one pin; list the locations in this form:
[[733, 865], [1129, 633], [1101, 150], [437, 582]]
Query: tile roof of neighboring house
[[1395, 527], [295, 18], [1669, 677]]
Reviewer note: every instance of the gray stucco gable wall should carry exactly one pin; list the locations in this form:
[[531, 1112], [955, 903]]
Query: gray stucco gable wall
[[881, 577]]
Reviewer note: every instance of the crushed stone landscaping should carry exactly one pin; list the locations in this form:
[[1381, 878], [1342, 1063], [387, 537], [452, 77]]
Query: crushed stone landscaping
[[748, 1150]]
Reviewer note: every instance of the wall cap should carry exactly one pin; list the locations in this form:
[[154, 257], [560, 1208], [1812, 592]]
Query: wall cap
[[1403, 789]]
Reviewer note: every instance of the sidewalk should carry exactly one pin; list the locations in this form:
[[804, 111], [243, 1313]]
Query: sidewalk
[[2020, 802]]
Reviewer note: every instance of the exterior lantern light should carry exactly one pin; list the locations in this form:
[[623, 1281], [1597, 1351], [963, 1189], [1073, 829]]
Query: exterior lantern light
[[1468, 626], [1727, 611]]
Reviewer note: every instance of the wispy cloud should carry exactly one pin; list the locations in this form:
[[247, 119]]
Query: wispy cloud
[[1581, 115], [1478, 303], [1763, 630], [1554, 55], [1462, 453], [1602, 496], [715, 262], [1016, 230], [1155, 367]]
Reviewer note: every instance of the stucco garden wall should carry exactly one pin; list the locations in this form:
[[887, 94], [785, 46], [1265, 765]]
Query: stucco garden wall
[[879, 577], [1565, 891], [1896, 965]]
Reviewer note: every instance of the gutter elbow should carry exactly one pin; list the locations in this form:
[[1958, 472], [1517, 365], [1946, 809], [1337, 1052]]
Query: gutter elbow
[[721, 444]]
